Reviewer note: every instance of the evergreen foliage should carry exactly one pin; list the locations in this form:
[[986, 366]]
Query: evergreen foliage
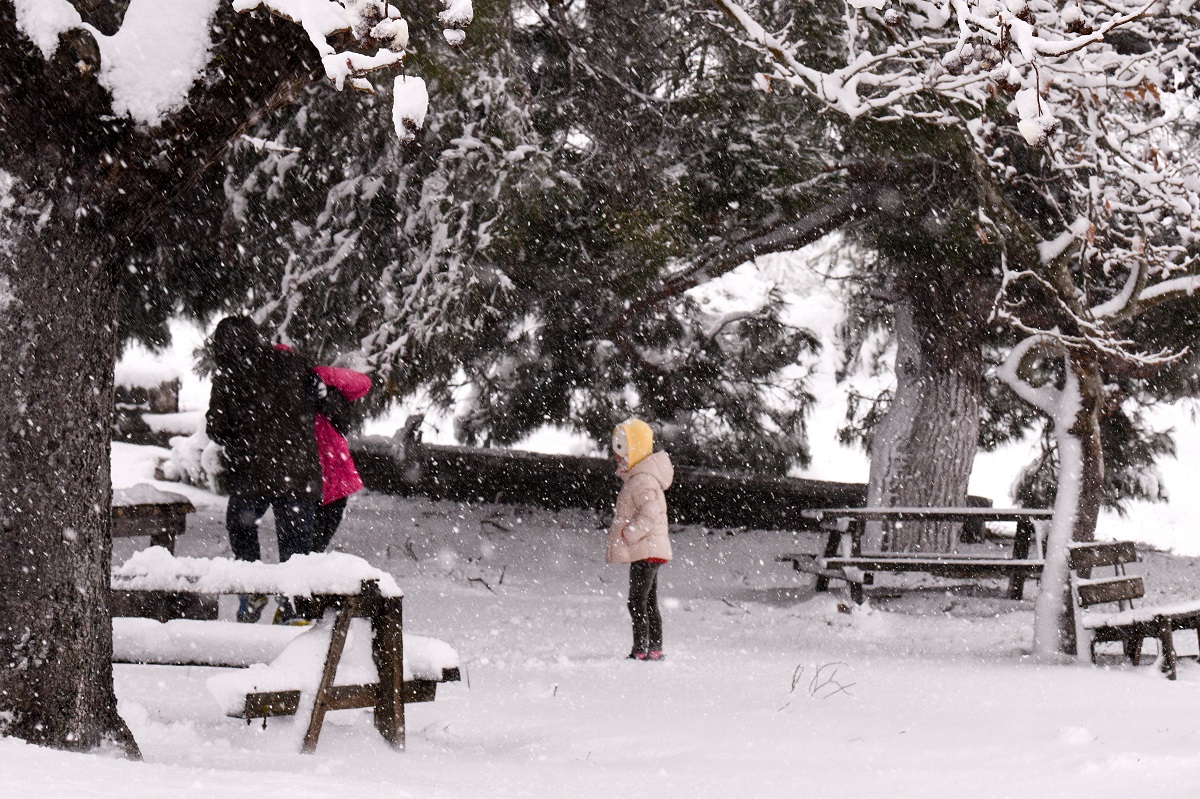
[[563, 173]]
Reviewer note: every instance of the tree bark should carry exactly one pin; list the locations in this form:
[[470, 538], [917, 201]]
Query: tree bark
[[56, 349], [76, 184], [923, 449]]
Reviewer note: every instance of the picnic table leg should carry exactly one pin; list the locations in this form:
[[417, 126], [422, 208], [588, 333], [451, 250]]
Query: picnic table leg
[[1168, 647], [832, 544], [856, 534], [337, 643], [1020, 551], [1133, 648], [387, 650], [164, 539]]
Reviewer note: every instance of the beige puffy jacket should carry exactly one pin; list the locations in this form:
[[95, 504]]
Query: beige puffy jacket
[[639, 526]]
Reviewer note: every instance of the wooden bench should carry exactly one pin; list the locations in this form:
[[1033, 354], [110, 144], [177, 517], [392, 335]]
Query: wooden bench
[[143, 510], [1128, 625], [342, 589], [844, 560]]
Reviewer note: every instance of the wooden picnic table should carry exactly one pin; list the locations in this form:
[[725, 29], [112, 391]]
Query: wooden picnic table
[[347, 585], [144, 510], [843, 546]]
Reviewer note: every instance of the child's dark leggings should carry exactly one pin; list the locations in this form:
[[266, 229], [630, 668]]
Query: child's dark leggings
[[643, 606]]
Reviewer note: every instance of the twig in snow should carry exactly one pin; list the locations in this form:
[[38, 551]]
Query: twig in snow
[[735, 607], [820, 682], [823, 683], [481, 581], [412, 553]]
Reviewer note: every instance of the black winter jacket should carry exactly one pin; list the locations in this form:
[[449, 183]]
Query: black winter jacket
[[261, 412]]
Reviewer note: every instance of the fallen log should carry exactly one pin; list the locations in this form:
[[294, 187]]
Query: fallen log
[[406, 466]]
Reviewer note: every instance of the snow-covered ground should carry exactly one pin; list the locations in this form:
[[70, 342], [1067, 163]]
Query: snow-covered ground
[[768, 690]]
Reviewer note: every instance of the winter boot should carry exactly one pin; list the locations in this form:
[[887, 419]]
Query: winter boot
[[286, 614], [250, 607], [656, 654]]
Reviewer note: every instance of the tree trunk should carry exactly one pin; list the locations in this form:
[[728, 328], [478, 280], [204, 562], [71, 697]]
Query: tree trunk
[[1077, 502], [57, 349], [923, 449], [76, 184]]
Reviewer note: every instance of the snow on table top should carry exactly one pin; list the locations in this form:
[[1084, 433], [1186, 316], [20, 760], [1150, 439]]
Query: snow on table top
[[1092, 620], [182, 422], [145, 494], [156, 569]]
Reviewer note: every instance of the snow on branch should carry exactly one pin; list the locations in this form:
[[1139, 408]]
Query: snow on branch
[[1079, 104], [374, 23], [151, 63], [1045, 398]]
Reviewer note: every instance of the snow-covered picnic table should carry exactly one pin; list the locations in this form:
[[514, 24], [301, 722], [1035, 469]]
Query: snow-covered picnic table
[[290, 670], [145, 510], [843, 558]]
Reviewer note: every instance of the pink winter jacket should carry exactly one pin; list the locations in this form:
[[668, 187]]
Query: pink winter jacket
[[639, 526], [339, 476]]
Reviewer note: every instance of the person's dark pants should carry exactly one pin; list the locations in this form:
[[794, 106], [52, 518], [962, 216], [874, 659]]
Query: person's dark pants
[[295, 525], [328, 518], [643, 606]]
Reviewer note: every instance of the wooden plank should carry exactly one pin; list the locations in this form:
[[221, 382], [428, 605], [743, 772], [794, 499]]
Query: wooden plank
[[1115, 589], [176, 509], [387, 650], [1082, 558], [163, 605], [948, 567], [270, 704], [348, 697], [337, 643], [932, 514]]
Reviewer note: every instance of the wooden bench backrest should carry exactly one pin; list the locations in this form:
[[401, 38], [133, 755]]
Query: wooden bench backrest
[[1083, 558]]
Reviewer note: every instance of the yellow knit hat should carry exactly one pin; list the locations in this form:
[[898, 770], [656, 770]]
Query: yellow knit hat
[[634, 439]]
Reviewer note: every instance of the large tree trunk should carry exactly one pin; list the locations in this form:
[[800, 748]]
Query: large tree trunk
[[76, 184], [56, 351], [923, 449]]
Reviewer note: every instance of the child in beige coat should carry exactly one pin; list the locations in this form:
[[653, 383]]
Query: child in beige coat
[[638, 535]]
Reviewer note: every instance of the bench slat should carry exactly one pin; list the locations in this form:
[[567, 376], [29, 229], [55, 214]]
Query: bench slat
[[270, 704], [1114, 589], [949, 567], [1083, 558]]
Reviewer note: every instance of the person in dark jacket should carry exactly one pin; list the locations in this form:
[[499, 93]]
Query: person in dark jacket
[[261, 411]]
